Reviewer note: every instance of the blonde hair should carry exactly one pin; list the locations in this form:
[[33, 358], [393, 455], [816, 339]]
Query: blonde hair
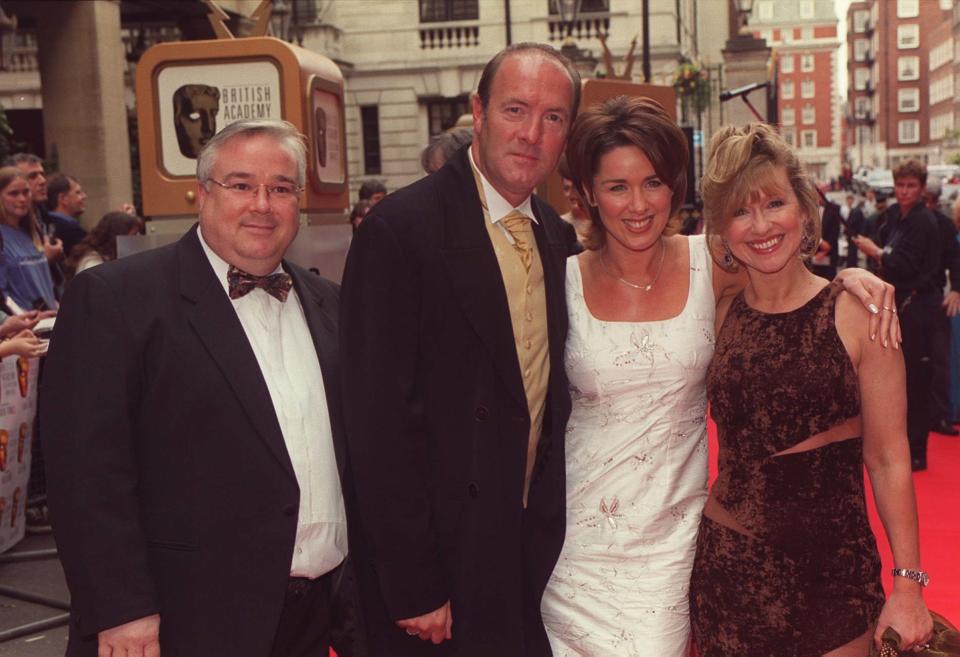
[[744, 161]]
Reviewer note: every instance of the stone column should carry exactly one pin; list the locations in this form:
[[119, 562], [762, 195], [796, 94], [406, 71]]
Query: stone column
[[745, 61], [82, 63]]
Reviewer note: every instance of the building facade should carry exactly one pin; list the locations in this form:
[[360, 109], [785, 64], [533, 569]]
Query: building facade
[[897, 69], [804, 38], [409, 65]]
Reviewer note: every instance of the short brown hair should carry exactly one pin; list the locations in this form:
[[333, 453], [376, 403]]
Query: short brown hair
[[626, 121], [911, 168], [743, 161], [549, 52]]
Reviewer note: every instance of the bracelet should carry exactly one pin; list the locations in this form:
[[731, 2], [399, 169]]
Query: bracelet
[[918, 576]]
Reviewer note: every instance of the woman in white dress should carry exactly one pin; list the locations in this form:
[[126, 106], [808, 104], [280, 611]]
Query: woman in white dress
[[641, 304]]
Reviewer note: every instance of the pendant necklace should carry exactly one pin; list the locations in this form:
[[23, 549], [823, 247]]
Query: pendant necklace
[[647, 287]]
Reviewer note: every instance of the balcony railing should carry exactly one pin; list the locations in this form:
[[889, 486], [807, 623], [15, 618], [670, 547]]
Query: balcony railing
[[449, 36], [585, 27], [18, 53]]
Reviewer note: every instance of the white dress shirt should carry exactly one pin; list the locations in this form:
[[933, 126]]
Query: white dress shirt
[[284, 348], [497, 206]]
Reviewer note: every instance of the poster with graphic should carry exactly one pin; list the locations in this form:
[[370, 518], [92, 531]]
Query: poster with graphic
[[18, 407], [328, 152], [198, 100]]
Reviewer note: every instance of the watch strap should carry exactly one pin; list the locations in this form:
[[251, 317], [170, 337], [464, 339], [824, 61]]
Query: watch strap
[[918, 576]]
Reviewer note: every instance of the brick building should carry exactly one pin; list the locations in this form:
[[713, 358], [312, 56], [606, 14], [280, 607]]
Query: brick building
[[945, 88], [804, 37], [891, 100]]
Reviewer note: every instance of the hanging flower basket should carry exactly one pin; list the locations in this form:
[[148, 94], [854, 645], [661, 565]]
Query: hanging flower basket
[[692, 85]]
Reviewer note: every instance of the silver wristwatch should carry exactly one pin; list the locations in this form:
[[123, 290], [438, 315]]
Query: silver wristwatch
[[917, 576]]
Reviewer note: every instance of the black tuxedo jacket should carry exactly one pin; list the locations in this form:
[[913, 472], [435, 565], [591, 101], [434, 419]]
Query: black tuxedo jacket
[[169, 483], [437, 422]]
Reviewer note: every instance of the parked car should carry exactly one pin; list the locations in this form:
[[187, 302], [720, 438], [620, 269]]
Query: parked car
[[880, 181], [943, 172]]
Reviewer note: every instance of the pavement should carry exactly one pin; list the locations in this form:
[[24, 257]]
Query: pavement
[[43, 577]]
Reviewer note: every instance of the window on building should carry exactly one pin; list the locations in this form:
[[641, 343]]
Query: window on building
[[942, 54], [908, 36], [861, 108], [809, 115], [787, 35], [443, 113], [806, 33], [806, 63], [370, 126], [432, 11], [790, 137], [908, 68], [861, 76], [806, 8], [806, 89], [908, 100], [908, 8], [861, 47], [808, 138], [786, 90], [786, 64], [940, 125], [861, 18], [586, 6], [908, 132], [789, 116]]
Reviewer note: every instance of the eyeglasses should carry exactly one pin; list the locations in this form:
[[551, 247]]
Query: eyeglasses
[[279, 190]]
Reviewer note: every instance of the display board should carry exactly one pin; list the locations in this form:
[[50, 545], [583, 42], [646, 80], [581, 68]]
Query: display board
[[18, 409]]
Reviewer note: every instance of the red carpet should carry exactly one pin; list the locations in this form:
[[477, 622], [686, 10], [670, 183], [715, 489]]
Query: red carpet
[[938, 502]]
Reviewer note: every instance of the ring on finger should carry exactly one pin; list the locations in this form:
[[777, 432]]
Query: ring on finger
[[920, 647], [890, 310], [412, 632]]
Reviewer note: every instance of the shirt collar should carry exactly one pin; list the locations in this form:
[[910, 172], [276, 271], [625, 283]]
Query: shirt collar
[[497, 206], [221, 266]]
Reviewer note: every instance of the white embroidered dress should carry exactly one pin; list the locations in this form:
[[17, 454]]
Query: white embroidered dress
[[636, 475]]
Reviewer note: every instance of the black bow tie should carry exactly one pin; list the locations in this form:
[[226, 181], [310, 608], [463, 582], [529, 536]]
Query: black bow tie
[[241, 283]]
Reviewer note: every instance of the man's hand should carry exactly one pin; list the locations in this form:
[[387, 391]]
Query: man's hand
[[138, 638], [52, 249], [434, 626], [868, 247], [879, 298], [952, 303], [128, 208]]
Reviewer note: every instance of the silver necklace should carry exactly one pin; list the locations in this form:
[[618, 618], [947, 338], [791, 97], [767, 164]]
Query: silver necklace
[[648, 286]]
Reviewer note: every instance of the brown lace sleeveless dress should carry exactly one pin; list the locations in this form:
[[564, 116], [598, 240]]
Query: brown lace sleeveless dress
[[789, 565]]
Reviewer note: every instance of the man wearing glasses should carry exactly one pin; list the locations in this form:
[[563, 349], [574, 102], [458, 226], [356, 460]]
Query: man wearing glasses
[[196, 456]]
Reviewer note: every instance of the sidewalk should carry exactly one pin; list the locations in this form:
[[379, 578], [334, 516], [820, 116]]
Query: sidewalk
[[43, 577]]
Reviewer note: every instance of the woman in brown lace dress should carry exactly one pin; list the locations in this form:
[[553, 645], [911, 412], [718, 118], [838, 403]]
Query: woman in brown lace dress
[[786, 563]]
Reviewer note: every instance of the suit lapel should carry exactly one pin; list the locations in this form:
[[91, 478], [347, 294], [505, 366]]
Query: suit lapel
[[218, 327], [322, 323], [475, 273]]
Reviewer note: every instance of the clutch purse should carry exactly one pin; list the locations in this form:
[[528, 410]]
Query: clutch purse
[[945, 642]]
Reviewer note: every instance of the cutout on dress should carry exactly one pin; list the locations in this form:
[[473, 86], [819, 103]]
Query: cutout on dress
[[717, 513], [846, 430]]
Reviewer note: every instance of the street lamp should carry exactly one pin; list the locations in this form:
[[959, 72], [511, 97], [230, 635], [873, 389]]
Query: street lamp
[[744, 9], [568, 11], [280, 19]]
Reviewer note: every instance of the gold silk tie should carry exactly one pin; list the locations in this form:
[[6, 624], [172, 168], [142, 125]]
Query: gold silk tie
[[518, 225]]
